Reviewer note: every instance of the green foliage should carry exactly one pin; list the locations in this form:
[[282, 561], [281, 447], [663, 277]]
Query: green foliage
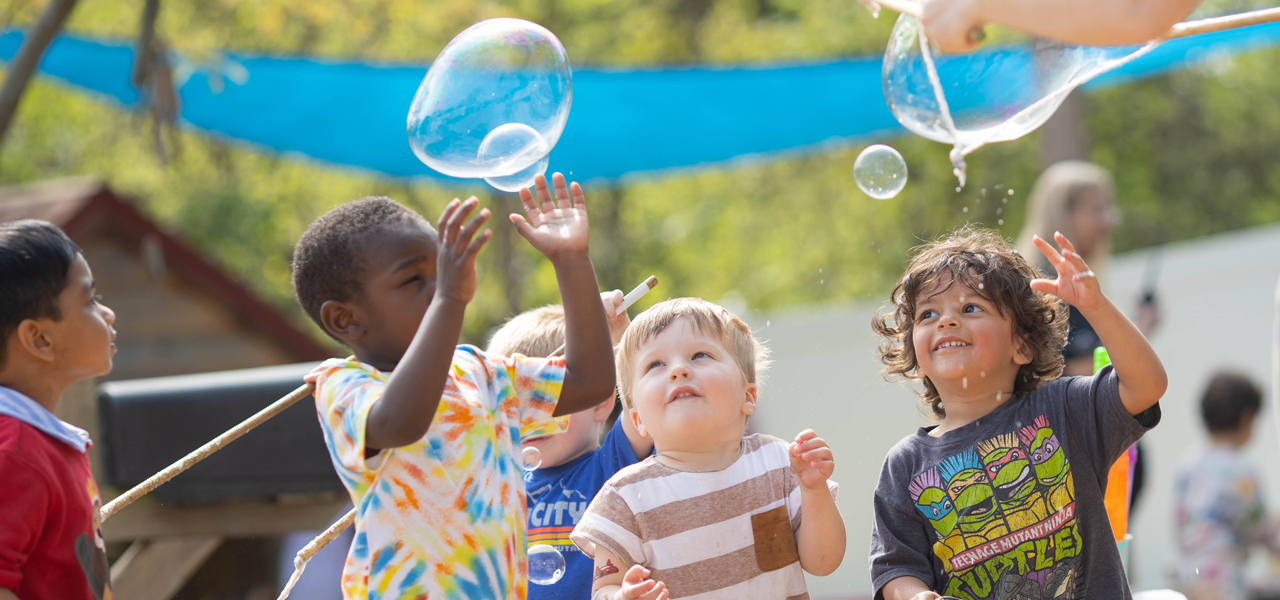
[[1190, 151]]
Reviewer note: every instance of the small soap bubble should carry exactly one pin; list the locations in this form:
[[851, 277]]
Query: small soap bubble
[[1010, 191], [966, 209], [531, 458], [514, 143], [1000, 222], [880, 172], [546, 564], [964, 382]]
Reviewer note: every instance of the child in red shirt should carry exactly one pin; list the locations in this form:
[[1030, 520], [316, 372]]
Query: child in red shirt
[[55, 332]]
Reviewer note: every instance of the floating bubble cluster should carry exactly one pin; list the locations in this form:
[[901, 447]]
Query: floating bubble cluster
[[530, 458], [546, 564], [493, 104], [880, 172], [992, 95]]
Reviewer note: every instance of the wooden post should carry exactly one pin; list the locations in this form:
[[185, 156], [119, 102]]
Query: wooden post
[[23, 66]]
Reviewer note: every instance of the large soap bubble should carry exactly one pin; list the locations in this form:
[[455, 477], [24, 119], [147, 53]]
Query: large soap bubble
[[992, 95], [493, 86]]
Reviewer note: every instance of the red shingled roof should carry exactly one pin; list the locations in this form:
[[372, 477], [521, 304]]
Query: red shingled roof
[[73, 203]]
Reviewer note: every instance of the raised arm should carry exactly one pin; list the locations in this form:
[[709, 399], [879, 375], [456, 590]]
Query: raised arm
[[1143, 380], [409, 403], [1084, 22], [610, 583], [821, 538], [908, 588], [558, 229]]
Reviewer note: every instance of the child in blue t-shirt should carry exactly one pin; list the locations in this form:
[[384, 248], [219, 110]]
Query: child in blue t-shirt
[[575, 464]]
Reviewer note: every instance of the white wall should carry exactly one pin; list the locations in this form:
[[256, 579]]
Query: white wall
[[1216, 294]]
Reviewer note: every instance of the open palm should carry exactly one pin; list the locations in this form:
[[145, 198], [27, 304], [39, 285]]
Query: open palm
[[554, 225], [1076, 284]]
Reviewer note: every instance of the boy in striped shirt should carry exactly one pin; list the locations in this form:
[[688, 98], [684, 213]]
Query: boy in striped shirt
[[715, 513]]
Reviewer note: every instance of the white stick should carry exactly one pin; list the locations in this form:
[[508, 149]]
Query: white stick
[[627, 301]]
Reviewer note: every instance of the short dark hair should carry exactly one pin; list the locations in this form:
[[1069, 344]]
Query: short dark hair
[[326, 261], [35, 257], [1226, 400], [986, 263]]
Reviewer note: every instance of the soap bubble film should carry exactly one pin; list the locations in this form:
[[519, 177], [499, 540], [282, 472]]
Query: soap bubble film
[[498, 73], [546, 564], [531, 458], [880, 172], [515, 140]]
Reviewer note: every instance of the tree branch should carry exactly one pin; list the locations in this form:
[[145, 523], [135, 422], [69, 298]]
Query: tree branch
[[23, 66]]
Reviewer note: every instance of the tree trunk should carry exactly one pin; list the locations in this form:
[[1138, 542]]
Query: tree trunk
[[23, 66]]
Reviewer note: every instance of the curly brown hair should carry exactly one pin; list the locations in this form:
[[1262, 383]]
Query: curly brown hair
[[987, 264]]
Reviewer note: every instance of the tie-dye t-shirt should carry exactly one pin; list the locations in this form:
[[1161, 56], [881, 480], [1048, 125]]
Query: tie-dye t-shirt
[[1010, 506], [444, 517]]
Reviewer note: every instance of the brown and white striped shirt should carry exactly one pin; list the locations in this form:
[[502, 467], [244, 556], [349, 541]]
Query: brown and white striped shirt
[[727, 534]]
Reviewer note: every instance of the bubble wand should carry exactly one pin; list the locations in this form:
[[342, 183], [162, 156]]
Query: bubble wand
[[627, 301]]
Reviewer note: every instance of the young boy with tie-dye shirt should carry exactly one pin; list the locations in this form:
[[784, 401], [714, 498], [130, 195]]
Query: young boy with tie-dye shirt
[[424, 433]]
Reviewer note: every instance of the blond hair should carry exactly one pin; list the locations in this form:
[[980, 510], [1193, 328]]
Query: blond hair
[[713, 320], [538, 332], [1054, 197]]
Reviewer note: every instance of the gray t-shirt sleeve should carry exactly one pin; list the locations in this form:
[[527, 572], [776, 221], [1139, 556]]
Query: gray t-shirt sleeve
[[901, 544], [1097, 419]]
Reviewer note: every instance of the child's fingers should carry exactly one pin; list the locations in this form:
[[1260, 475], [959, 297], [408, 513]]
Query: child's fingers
[[522, 226], [446, 213], [1075, 260], [635, 574], [659, 591], [478, 243], [579, 199], [1063, 242], [562, 191], [1046, 286], [544, 196], [818, 455], [526, 200], [456, 219], [638, 590], [465, 234], [805, 435], [1049, 251]]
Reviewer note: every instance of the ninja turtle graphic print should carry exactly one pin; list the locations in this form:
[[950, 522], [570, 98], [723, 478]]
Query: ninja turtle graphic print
[[1010, 506]]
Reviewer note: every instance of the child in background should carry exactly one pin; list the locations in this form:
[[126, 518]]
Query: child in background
[[1220, 511], [575, 464], [1004, 497], [56, 332], [715, 513], [424, 433]]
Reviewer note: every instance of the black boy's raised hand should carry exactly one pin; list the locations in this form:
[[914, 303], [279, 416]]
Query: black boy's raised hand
[[555, 226], [456, 261]]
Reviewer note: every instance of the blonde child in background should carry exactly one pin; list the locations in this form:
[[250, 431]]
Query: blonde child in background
[[574, 464], [716, 513]]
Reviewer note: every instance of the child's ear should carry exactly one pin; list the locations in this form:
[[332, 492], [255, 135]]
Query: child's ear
[[340, 320], [34, 339], [634, 415], [601, 412], [1022, 353], [749, 403]]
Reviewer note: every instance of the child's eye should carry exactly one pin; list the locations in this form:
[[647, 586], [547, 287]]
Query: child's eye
[[972, 308], [697, 355], [411, 280], [653, 365], [928, 314], [95, 299]]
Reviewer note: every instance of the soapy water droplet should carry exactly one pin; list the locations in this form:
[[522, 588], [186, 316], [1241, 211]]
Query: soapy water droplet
[[546, 564], [880, 172], [530, 458]]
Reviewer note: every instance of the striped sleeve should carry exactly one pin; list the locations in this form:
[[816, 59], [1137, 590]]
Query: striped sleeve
[[610, 524]]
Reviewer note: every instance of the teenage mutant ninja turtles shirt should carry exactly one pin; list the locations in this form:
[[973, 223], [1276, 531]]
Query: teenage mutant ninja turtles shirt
[[1011, 505]]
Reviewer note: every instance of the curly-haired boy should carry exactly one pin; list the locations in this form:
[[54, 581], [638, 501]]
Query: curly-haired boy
[[1003, 498]]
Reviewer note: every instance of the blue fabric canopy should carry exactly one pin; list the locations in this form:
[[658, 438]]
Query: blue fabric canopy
[[622, 121]]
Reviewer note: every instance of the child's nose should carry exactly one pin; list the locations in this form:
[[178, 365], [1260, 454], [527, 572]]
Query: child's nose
[[679, 371]]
